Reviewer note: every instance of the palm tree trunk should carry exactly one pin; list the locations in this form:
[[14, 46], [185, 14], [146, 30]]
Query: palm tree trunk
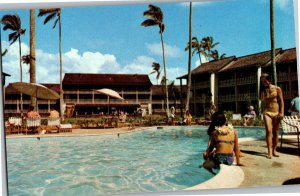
[[165, 74], [200, 58], [21, 74], [189, 63], [272, 32], [32, 53], [60, 74]]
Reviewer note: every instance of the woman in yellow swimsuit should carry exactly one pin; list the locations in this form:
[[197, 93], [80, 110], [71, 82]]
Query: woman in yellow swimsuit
[[273, 112]]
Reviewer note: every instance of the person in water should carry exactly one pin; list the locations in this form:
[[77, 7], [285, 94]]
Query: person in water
[[272, 98], [222, 144]]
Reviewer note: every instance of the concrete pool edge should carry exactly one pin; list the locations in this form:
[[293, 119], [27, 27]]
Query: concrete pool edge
[[228, 176]]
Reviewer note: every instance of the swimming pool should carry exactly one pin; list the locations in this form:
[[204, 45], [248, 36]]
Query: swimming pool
[[147, 161]]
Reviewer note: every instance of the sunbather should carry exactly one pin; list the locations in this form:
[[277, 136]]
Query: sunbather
[[31, 113], [187, 118], [249, 116]]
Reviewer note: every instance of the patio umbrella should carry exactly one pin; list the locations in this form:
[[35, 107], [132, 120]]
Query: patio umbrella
[[109, 93], [36, 90]]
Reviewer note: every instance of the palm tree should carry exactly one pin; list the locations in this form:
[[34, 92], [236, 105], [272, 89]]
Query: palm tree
[[215, 55], [4, 52], [208, 45], [156, 17], [189, 80], [13, 23], [156, 69], [198, 48], [55, 13], [272, 34], [31, 57], [26, 59]]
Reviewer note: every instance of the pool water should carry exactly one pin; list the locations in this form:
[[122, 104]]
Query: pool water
[[148, 161]]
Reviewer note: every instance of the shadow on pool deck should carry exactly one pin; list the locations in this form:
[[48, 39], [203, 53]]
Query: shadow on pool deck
[[260, 171]]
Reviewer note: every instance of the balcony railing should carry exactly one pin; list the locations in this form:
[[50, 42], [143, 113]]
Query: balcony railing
[[226, 83], [246, 96], [120, 92], [283, 77], [246, 80], [202, 85], [227, 98]]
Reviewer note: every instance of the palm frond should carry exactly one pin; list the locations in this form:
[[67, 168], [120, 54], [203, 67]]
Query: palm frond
[[26, 59], [149, 22], [4, 53], [49, 17], [55, 23], [43, 12], [213, 45], [22, 31], [12, 37], [8, 26], [162, 27]]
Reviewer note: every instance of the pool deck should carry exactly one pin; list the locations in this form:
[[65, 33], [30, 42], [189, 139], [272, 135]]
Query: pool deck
[[258, 171]]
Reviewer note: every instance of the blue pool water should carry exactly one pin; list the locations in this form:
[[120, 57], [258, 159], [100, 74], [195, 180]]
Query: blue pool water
[[147, 161]]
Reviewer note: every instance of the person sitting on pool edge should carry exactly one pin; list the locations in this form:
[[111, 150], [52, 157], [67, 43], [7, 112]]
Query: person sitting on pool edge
[[187, 118], [222, 144], [249, 116]]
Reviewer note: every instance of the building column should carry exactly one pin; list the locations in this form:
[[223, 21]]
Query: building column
[[258, 87], [216, 91], [212, 86]]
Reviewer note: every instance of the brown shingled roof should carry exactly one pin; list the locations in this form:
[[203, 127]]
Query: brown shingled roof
[[11, 90], [210, 67], [286, 56], [107, 79], [253, 60]]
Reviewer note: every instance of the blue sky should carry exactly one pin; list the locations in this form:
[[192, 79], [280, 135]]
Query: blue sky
[[109, 39]]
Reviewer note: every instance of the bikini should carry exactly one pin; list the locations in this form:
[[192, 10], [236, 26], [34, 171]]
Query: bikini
[[223, 158], [271, 101]]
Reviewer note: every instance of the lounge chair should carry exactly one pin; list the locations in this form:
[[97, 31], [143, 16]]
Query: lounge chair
[[14, 125], [290, 126], [53, 122], [32, 124], [65, 128]]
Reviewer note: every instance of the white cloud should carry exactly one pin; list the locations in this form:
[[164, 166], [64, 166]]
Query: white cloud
[[203, 60], [47, 65], [170, 51]]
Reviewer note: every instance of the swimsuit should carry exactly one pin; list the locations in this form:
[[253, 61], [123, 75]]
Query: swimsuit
[[270, 99], [222, 158]]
